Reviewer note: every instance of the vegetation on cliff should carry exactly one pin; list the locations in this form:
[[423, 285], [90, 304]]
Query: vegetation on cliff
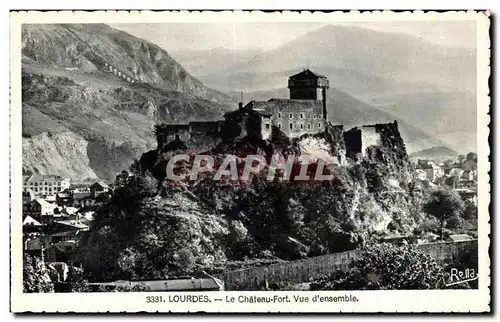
[[155, 228]]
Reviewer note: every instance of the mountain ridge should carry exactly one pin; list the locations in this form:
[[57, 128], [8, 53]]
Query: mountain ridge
[[438, 153], [71, 100]]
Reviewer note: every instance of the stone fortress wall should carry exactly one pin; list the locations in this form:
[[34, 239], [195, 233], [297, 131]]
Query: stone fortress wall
[[120, 74], [303, 270], [294, 117]]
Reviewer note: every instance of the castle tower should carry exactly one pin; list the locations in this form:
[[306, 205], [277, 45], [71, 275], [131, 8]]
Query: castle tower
[[307, 85]]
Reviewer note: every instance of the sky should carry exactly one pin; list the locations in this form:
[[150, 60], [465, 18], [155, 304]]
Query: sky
[[267, 36]]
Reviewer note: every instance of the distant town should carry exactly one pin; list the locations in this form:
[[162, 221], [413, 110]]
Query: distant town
[[56, 212], [460, 174]]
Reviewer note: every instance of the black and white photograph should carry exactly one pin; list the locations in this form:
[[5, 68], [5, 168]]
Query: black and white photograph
[[197, 157]]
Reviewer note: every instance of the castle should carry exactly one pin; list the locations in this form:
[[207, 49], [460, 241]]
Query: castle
[[304, 113]]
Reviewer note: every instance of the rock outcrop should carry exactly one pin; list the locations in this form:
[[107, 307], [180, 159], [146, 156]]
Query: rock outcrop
[[63, 153]]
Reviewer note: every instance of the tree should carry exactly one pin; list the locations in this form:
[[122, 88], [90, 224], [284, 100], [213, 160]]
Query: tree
[[443, 203], [35, 277], [386, 267], [471, 157]]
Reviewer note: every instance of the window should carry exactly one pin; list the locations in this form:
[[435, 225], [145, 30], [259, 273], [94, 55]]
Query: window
[[314, 116], [267, 126], [301, 115], [279, 126], [308, 116], [290, 116], [308, 126], [279, 115], [301, 126], [319, 125], [291, 126]]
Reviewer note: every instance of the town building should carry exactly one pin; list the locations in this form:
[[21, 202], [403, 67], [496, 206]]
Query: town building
[[433, 171], [40, 210], [453, 172], [29, 221], [64, 199], [419, 174], [46, 184], [469, 175], [28, 196], [82, 199], [468, 194], [98, 188], [305, 112], [465, 184]]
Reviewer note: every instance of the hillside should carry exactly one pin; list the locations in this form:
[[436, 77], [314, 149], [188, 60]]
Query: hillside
[[68, 90], [349, 111], [87, 47], [154, 226], [437, 153], [204, 62]]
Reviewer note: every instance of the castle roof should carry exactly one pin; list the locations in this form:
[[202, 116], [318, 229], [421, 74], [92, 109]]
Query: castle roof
[[251, 107], [288, 104], [306, 74]]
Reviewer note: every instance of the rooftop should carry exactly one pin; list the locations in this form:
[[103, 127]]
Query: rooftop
[[459, 237], [306, 74], [41, 177], [193, 284], [102, 184]]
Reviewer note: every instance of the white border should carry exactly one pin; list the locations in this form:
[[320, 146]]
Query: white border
[[370, 301]]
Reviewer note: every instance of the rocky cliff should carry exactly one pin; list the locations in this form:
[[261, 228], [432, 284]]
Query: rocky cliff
[[67, 87], [279, 219], [64, 153]]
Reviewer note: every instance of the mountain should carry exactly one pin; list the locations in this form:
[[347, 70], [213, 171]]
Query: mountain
[[392, 56], [428, 85], [349, 111], [204, 62], [84, 121], [437, 153]]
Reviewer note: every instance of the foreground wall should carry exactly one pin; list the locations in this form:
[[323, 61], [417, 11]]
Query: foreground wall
[[310, 268]]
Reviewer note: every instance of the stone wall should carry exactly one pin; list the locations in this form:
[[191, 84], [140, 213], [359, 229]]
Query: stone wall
[[294, 117], [310, 268], [120, 74], [369, 137], [360, 140]]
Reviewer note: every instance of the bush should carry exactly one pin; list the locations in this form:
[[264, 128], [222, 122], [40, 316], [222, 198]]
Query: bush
[[35, 276]]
